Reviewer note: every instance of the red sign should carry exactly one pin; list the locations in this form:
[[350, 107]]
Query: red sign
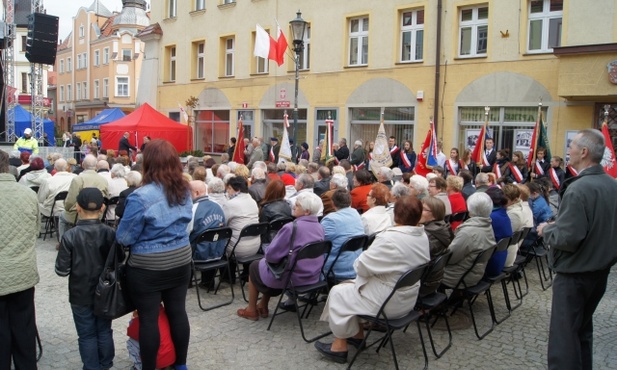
[[245, 105], [283, 104], [27, 99]]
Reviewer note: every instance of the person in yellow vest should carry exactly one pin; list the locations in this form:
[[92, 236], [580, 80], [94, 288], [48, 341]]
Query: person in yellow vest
[[27, 143]]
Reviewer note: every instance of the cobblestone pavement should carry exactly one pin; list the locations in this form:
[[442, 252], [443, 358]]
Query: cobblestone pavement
[[222, 340]]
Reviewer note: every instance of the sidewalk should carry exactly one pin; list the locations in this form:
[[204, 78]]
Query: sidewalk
[[221, 340]]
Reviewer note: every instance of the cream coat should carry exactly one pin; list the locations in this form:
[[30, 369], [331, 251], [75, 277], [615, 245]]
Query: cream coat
[[395, 251], [241, 211], [519, 219], [376, 219]]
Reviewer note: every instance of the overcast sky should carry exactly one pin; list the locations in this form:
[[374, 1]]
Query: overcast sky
[[67, 9]]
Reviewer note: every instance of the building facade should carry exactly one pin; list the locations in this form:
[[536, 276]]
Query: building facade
[[416, 60], [99, 63]]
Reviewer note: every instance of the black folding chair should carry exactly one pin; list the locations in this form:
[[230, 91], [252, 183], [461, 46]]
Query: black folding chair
[[471, 293], [252, 230], [51, 222], [212, 236], [113, 201], [513, 270], [352, 244], [309, 251], [502, 246], [35, 189], [408, 279], [274, 227], [370, 239]]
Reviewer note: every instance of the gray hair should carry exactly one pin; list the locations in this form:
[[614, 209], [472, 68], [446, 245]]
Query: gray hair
[[339, 169], [400, 190], [281, 166], [89, 162], [479, 204], [222, 170], [118, 170], [309, 202], [481, 179], [386, 172], [593, 140], [258, 173], [313, 167], [133, 178], [232, 166], [101, 157], [419, 184], [261, 164], [306, 180], [227, 177], [216, 186], [358, 142], [339, 180], [102, 165], [61, 165], [224, 157]]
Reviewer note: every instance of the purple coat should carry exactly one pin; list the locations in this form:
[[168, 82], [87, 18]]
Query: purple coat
[[308, 230]]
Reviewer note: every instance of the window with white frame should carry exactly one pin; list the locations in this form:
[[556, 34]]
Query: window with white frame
[[200, 4], [62, 93], [79, 64], [358, 41], [77, 91], [69, 64], [61, 65], [69, 93], [85, 87], [122, 86], [201, 60], [97, 57], [172, 8], [398, 122], [228, 1], [473, 31], [545, 17], [412, 35], [127, 54], [82, 31], [106, 56], [106, 88], [95, 92], [172, 63], [229, 56], [305, 56]]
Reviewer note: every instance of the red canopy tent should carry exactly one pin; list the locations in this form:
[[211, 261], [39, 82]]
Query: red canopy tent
[[146, 121]]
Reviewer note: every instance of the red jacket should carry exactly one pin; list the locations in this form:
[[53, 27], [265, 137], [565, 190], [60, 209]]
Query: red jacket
[[458, 205]]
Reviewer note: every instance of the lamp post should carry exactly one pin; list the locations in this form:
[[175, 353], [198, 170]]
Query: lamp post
[[298, 27]]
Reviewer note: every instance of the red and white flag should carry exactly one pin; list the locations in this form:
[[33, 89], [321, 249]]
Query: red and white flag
[[267, 47], [608, 161]]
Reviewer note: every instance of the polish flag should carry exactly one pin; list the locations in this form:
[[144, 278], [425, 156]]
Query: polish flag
[[281, 46], [267, 47], [608, 161]]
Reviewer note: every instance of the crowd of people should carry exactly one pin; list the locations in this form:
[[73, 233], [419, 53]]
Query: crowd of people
[[164, 206]]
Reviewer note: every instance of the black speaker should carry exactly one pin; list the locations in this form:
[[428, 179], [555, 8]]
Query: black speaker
[[42, 41]]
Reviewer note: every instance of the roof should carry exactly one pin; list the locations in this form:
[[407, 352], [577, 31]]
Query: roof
[[99, 9], [153, 29]]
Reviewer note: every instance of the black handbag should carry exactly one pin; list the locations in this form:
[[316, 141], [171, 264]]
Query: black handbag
[[278, 269], [111, 298]]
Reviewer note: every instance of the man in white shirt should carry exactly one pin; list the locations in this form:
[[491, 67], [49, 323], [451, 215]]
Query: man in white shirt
[[52, 186]]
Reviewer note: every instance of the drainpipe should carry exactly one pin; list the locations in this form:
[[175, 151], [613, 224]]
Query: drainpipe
[[437, 67]]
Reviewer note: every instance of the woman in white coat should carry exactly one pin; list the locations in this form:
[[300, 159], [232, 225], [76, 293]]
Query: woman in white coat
[[377, 218], [395, 251], [241, 210]]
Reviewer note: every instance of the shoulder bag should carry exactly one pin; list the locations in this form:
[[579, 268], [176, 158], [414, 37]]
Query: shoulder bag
[[278, 269], [111, 298]]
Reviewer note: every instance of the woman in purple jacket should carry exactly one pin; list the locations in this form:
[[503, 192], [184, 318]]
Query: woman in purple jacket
[[261, 279]]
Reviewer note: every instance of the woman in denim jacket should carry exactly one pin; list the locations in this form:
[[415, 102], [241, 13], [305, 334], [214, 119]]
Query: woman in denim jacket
[[154, 226]]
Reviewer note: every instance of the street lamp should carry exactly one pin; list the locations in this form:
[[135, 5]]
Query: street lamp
[[298, 27]]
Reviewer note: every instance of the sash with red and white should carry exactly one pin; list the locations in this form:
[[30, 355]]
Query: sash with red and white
[[272, 154], [450, 166], [406, 161], [554, 178], [462, 165], [485, 159], [497, 170], [539, 170], [518, 176], [394, 150], [359, 167], [572, 170]]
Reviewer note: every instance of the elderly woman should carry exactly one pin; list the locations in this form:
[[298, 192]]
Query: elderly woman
[[362, 181], [519, 219], [261, 280], [419, 186], [216, 191], [338, 181], [472, 237], [116, 185], [376, 219], [454, 186], [154, 225], [395, 251], [502, 228], [133, 180], [37, 174], [440, 236], [241, 210], [398, 190]]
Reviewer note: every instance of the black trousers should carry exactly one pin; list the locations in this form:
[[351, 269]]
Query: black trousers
[[575, 298], [18, 330]]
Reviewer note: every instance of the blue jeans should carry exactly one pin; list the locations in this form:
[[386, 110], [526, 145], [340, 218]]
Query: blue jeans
[[96, 342]]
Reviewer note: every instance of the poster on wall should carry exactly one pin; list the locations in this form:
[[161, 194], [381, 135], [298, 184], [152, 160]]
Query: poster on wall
[[569, 137], [522, 140], [471, 138]]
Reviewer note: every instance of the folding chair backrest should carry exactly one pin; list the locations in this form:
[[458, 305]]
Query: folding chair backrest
[[459, 216], [408, 279], [311, 251], [516, 237], [438, 263], [254, 230], [370, 240], [60, 196], [481, 258], [214, 236], [276, 225], [113, 201], [502, 245], [350, 245], [526, 231]]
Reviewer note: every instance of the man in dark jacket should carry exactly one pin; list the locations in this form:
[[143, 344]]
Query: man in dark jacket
[[582, 251], [357, 157], [341, 151], [124, 144]]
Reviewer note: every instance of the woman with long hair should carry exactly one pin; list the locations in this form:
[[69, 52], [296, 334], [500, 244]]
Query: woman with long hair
[[408, 157], [453, 164], [154, 226], [516, 172], [274, 206], [468, 164], [502, 163]]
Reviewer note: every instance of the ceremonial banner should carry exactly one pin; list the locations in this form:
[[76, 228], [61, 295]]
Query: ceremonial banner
[[381, 154], [239, 149]]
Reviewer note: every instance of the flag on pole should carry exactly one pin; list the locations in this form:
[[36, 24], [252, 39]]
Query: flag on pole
[[285, 153], [238, 156], [326, 148], [608, 161], [184, 114], [427, 158], [381, 153], [267, 47], [431, 160], [478, 154], [539, 138]]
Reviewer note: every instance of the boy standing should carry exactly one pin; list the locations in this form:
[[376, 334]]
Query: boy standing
[[82, 255]]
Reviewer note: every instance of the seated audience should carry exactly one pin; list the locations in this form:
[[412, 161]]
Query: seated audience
[[502, 228], [518, 218], [362, 181], [59, 182], [241, 210], [338, 181], [454, 185], [274, 207], [376, 219], [36, 175], [437, 188], [133, 180]]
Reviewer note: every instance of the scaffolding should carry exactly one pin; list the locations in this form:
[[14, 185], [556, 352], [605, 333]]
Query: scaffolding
[[9, 71], [36, 84]]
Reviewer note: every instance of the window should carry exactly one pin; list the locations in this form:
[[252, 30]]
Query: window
[[24, 82], [228, 1], [79, 63], [69, 64], [473, 29], [248, 121], [61, 65], [172, 8], [229, 56], [106, 88], [82, 31], [69, 93], [172, 63], [96, 89], [122, 86], [77, 91], [97, 57], [273, 123], [358, 41], [127, 55], [212, 130], [261, 64], [412, 35], [199, 49], [305, 55], [398, 122], [200, 4], [106, 56], [85, 87], [544, 25], [24, 43], [61, 93]]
